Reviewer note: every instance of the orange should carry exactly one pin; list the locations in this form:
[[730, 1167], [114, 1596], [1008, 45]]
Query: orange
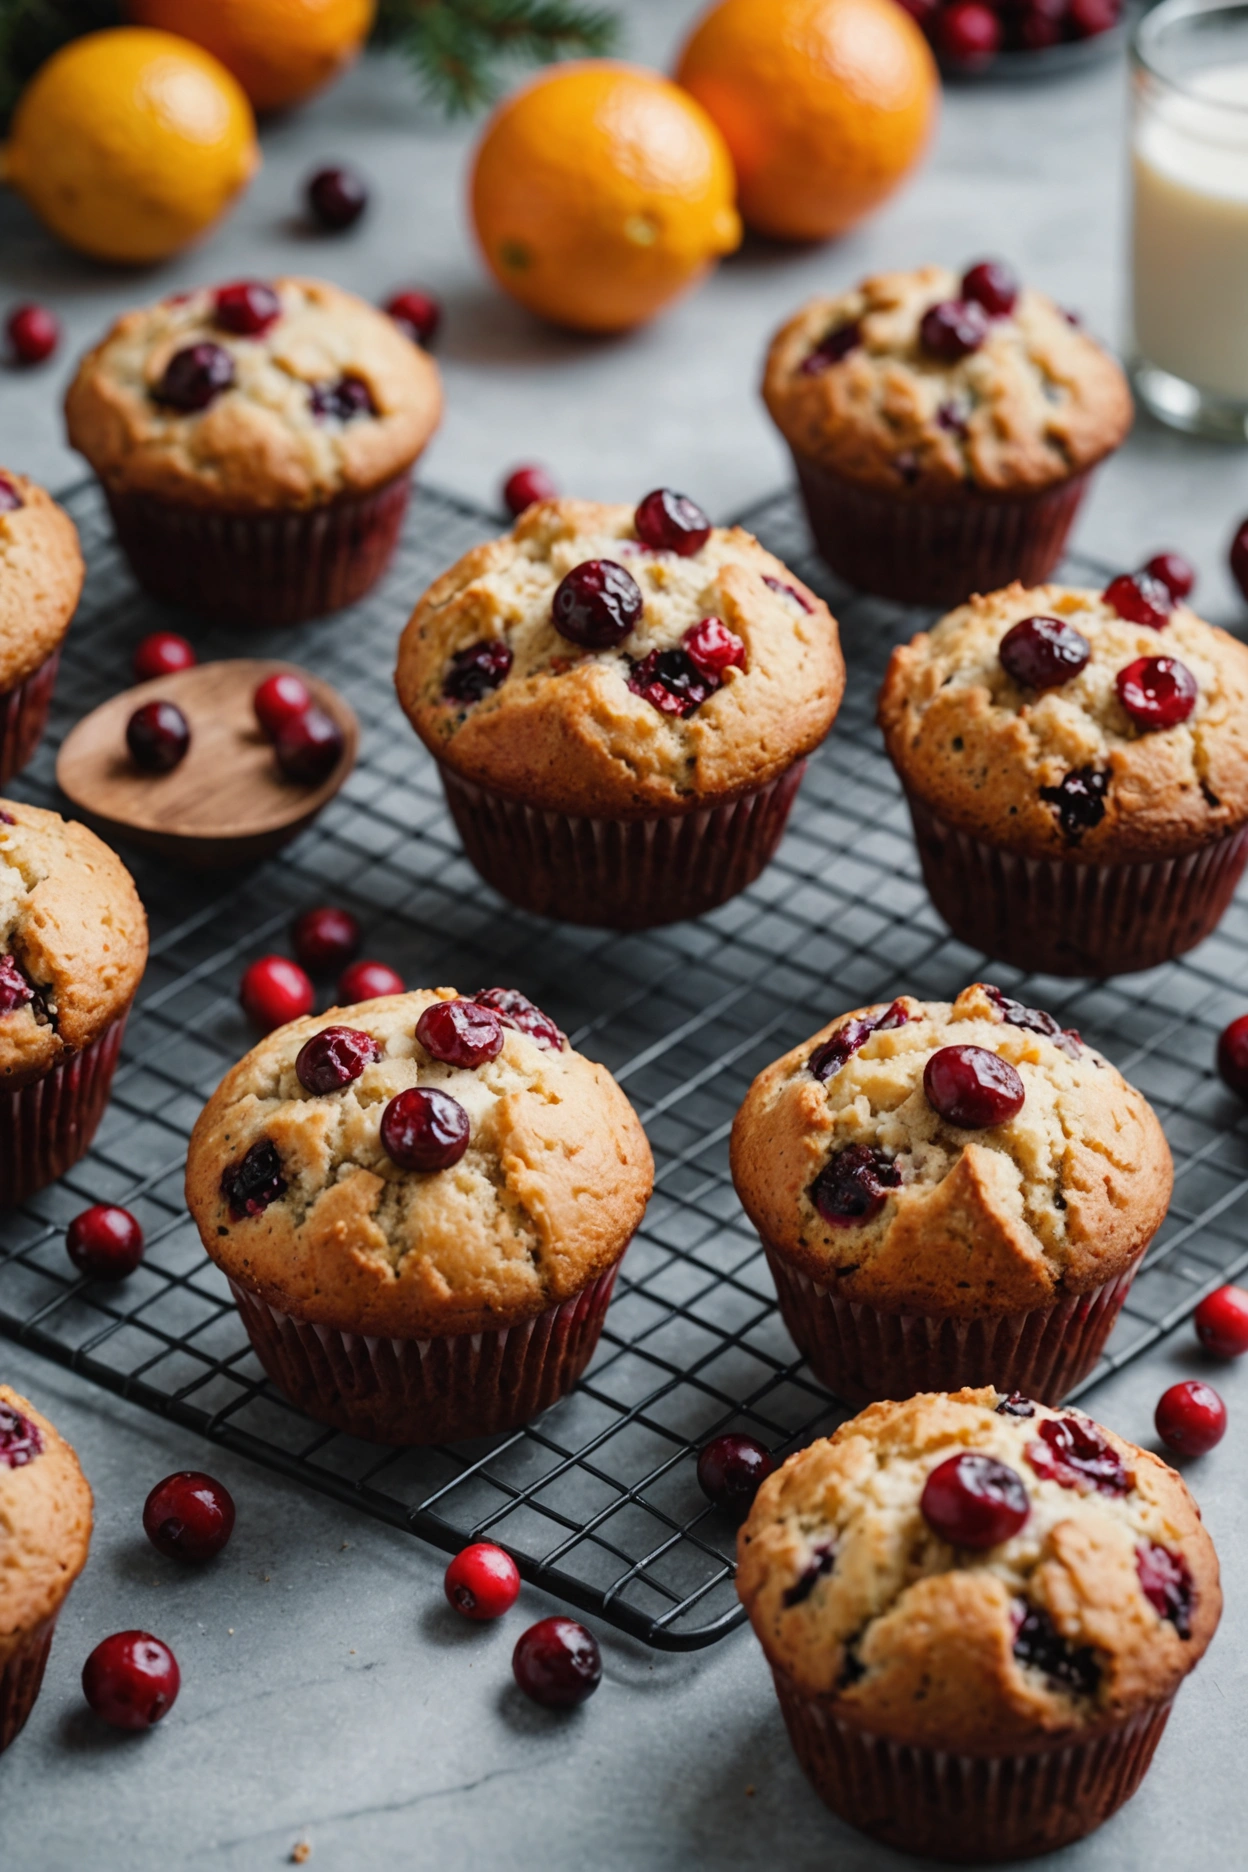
[[826, 106], [279, 50], [600, 192]]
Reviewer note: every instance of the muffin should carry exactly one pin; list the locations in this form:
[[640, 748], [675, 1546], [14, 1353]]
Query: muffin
[[621, 704], [943, 432], [73, 947], [255, 443], [45, 1531], [977, 1612], [420, 1204], [1077, 776], [950, 1195], [41, 574]]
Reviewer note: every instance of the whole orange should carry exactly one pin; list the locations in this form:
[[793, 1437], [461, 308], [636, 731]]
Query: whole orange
[[599, 192], [279, 50], [826, 106]]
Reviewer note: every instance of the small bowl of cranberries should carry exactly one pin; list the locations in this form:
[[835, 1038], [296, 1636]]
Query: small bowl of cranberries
[[1019, 39]]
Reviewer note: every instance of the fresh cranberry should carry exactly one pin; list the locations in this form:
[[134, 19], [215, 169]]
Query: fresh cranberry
[[275, 990], [526, 485], [713, 647], [668, 522], [516, 1010], [790, 591], [460, 1033], [1239, 558], [337, 197], [348, 398], [1038, 1643], [1175, 572], [424, 1129], [951, 331], [1043, 653], [830, 350], [972, 1087], [247, 308], [853, 1186], [1089, 18], [195, 377], [1157, 692], [1034, 1020], [1075, 1453], [131, 1680], [104, 1242], [333, 1058], [279, 699], [15, 991], [325, 939], [849, 1036], [309, 747], [33, 334], [969, 33], [994, 285], [731, 1469], [1079, 798], [189, 1516], [671, 682], [557, 1663], [482, 1582], [1166, 1582], [1190, 1418], [10, 500], [1222, 1322], [368, 981], [162, 653], [974, 1501], [158, 736], [20, 1439], [1014, 1404], [416, 314], [1140, 599], [1042, 24], [1233, 1055], [478, 669], [597, 604], [250, 1186]]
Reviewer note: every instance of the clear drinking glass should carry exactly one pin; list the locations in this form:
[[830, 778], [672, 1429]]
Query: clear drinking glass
[[1189, 233]]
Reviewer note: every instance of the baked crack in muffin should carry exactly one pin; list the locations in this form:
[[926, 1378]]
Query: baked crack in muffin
[[41, 574]]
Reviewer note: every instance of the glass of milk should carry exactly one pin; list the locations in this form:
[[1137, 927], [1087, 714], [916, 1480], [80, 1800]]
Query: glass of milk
[[1189, 150]]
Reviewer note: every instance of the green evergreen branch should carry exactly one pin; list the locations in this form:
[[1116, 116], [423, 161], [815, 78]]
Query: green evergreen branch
[[32, 30], [458, 46]]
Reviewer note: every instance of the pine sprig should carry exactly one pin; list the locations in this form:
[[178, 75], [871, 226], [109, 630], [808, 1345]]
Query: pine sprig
[[32, 30], [460, 47]]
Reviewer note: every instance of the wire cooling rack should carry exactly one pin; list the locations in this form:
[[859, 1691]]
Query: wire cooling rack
[[597, 1499]]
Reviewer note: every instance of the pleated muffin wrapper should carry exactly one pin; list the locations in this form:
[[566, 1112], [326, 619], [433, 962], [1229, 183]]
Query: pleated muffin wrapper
[[46, 1126], [21, 1675], [24, 716], [261, 568], [969, 1809], [1057, 916], [443, 1389], [626, 874], [863, 1354]]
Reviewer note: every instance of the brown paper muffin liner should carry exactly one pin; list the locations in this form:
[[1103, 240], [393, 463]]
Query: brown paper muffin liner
[[969, 1808], [24, 716], [439, 1390], [21, 1675], [261, 568], [621, 873], [45, 1127], [1056, 916], [862, 1354], [936, 551]]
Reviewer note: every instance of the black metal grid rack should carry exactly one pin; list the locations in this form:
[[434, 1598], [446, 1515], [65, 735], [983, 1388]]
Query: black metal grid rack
[[598, 1499]]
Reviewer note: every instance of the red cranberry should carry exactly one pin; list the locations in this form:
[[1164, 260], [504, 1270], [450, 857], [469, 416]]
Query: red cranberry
[[1034, 1020], [333, 1058], [325, 939], [1038, 1644], [953, 330], [1190, 1418], [20, 1439], [849, 1036], [731, 1469], [1140, 599], [482, 1582], [347, 398], [337, 197], [1088, 18], [162, 653], [1074, 1452], [478, 669], [1166, 1582], [158, 736], [671, 682], [969, 33], [993, 285], [972, 1087], [33, 334], [460, 1033], [557, 1663], [525, 485], [974, 1501], [195, 377], [10, 500], [15, 990], [131, 1680], [416, 314], [668, 522], [1157, 692], [830, 350], [104, 1242], [250, 1186], [713, 647], [368, 981], [1233, 1055], [309, 747], [516, 1010], [275, 990], [1079, 799], [1239, 558], [1175, 572], [279, 699], [789, 591], [1222, 1322], [1043, 653], [597, 604], [1043, 24], [424, 1129], [189, 1516], [853, 1186], [247, 308]]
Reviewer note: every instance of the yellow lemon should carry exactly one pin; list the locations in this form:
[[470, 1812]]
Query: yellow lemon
[[279, 50]]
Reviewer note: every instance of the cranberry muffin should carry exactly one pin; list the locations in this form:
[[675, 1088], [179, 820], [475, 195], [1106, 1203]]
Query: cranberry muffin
[[1076, 765], [950, 1194], [41, 574], [621, 703], [255, 442], [977, 1612], [45, 1532], [421, 1203], [943, 430]]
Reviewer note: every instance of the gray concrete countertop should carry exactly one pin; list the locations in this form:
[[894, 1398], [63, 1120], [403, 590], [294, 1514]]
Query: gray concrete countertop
[[329, 1693]]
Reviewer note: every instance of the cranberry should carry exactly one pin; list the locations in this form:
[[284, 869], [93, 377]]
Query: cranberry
[[713, 648], [822, 1561], [1038, 1644], [158, 736], [557, 1663], [347, 398], [597, 604], [460, 1033], [972, 1087], [20, 1439], [15, 990], [671, 682], [1034, 1020], [10, 499], [424, 1129], [830, 350], [482, 1582], [994, 285], [1222, 1322], [1140, 599], [1233, 1055], [1075, 1453], [1157, 692], [275, 990], [525, 485], [969, 33], [250, 1186], [416, 314], [1079, 798], [1014, 1404], [853, 1186], [333, 1058], [309, 748], [104, 1242], [195, 377], [1239, 558], [247, 308], [325, 939], [1043, 653], [1190, 1418], [731, 1469], [953, 330], [189, 1516], [1089, 18], [131, 1680], [1175, 572], [852, 1034], [1166, 1582], [1042, 24], [162, 653], [33, 334], [368, 981], [974, 1501], [669, 522], [279, 699], [516, 1010], [478, 669], [337, 197]]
